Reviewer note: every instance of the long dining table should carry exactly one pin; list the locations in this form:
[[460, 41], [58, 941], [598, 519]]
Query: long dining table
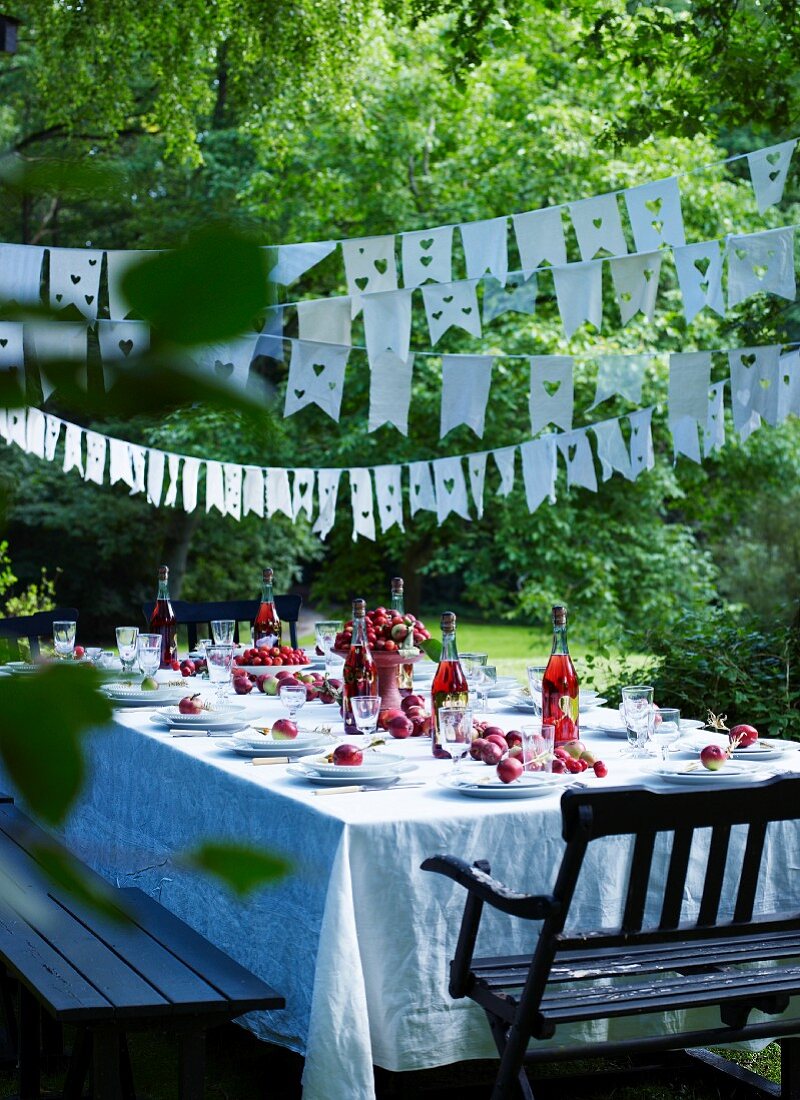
[[356, 936]]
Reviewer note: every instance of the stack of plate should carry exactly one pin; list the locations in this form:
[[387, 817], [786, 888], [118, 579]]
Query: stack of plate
[[587, 700], [529, 785], [224, 718], [248, 742], [20, 667], [763, 749], [377, 767], [732, 773], [131, 695]]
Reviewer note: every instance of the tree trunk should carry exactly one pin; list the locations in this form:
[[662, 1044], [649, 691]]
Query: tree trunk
[[414, 557], [175, 549]]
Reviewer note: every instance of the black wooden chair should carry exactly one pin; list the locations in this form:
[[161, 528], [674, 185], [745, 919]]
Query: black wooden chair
[[192, 615], [36, 626], [728, 965]]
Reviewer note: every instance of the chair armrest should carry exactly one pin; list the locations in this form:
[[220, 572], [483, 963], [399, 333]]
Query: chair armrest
[[476, 879]]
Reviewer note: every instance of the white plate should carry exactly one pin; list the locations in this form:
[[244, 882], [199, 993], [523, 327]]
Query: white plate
[[269, 748], [222, 715], [376, 764], [691, 724], [343, 780], [732, 772], [133, 696], [528, 786], [21, 666], [306, 741], [231, 726], [763, 749]]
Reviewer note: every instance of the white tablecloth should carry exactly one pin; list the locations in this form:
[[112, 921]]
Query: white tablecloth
[[357, 937]]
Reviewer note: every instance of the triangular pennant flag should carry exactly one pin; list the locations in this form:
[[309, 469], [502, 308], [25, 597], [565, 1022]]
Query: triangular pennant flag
[[228, 362], [761, 262], [279, 493], [539, 470], [139, 466], [21, 274], [789, 385], [611, 449], [303, 493], [635, 281], [156, 461], [73, 447], [551, 396], [768, 171], [369, 266], [476, 468], [75, 279], [34, 435], [427, 254], [420, 488], [689, 379], [620, 376], [52, 433], [326, 320], [451, 488], [294, 260], [361, 501], [215, 487], [390, 391], [17, 425], [598, 227], [120, 467], [121, 340], [685, 438], [174, 467], [520, 297], [316, 377], [53, 343], [189, 478], [118, 264], [466, 380], [387, 323], [451, 305], [233, 490], [389, 496], [714, 429], [540, 238], [504, 460], [577, 453], [95, 457], [253, 496], [641, 445], [699, 268], [579, 292], [755, 387], [655, 214], [327, 490], [486, 248]]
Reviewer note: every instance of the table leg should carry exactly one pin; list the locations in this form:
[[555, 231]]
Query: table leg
[[78, 1065], [29, 1046], [790, 1069], [107, 1081], [192, 1065]]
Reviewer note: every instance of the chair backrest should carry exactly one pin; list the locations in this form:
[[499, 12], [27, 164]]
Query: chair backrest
[[191, 615], [33, 627]]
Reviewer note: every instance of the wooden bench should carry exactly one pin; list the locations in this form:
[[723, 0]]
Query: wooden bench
[[107, 976], [729, 965]]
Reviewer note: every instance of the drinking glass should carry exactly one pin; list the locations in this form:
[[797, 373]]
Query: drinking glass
[[64, 638], [148, 653], [366, 709], [223, 629], [293, 696], [126, 646], [638, 713], [487, 679], [203, 644], [325, 634], [219, 659], [667, 729], [94, 653], [538, 742], [455, 729], [535, 677]]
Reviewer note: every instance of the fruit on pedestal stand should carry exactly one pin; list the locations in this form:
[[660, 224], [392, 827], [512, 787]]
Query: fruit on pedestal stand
[[713, 757], [191, 704], [284, 729], [348, 755], [744, 736], [509, 769]]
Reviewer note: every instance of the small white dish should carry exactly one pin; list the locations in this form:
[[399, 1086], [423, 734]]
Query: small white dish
[[225, 714], [375, 764], [344, 780], [535, 785], [269, 748], [689, 775]]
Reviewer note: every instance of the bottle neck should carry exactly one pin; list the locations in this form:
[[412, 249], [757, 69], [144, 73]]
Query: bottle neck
[[266, 592], [449, 650], [398, 603], [560, 640], [163, 590], [359, 632]]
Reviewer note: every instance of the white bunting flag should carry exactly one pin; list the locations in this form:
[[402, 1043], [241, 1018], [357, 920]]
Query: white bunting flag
[[279, 492], [579, 292], [761, 262], [635, 281], [118, 264], [686, 438], [504, 460], [641, 445], [389, 496], [228, 362], [95, 457], [12, 353], [327, 492], [52, 434], [598, 227], [303, 493], [486, 248], [156, 461], [294, 260], [387, 323], [369, 266], [577, 454], [139, 467], [714, 428], [121, 340], [420, 483], [326, 320], [689, 379], [699, 268], [56, 343], [451, 488], [390, 391], [73, 447], [75, 279], [540, 238], [427, 254], [215, 487], [34, 436], [362, 504], [189, 477], [316, 377], [551, 395], [21, 274], [539, 470], [174, 472], [755, 387], [233, 490], [476, 468], [517, 296], [451, 305], [612, 450], [466, 380], [253, 494], [620, 376], [655, 215], [789, 385], [120, 467], [16, 422], [768, 171]]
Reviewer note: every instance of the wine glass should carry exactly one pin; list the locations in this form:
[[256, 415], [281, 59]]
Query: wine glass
[[325, 634], [638, 713], [223, 629], [472, 663], [64, 638], [366, 709], [126, 646], [535, 677], [219, 661], [293, 697], [667, 729], [487, 679], [148, 653], [455, 729], [202, 645]]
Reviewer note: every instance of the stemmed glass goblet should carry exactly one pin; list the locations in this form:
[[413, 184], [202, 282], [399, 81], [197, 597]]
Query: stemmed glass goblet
[[222, 630], [366, 710], [148, 654], [293, 697], [219, 661], [127, 637], [638, 713], [64, 638], [667, 728], [325, 634], [455, 728]]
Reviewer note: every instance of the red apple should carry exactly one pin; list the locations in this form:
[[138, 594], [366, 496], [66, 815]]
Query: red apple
[[191, 704], [412, 701], [513, 737], [242, 685], [745, 736], [509, 769], [492, 753], [348, 755], [477, 747], [713, 757], [494, 730], [400, 726], [78, 652], [385, 717], [497, 739], [284, 729]]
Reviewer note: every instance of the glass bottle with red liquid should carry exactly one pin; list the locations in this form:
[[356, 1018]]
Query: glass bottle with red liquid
[[560, 684], [405, 674], [449, 687], [359, 675], [162, 620], [267, 625]]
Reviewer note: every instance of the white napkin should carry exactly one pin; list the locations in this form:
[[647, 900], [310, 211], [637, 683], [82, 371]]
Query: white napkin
[[451, 305], [635, 280], [369, 266]]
